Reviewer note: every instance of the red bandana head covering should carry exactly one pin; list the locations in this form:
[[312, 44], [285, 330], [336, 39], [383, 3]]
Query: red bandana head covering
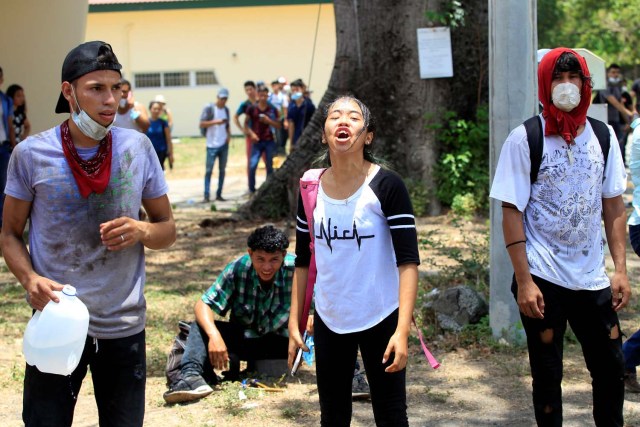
[[91, 175], [558, 122]]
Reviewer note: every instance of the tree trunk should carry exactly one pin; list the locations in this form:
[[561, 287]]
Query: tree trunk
[[377, 61]]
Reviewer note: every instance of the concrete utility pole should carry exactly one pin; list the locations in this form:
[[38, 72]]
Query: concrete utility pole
[[513, 97]]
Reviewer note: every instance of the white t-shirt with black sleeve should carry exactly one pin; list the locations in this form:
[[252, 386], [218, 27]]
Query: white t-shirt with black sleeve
[[562, 210], [359, 244]]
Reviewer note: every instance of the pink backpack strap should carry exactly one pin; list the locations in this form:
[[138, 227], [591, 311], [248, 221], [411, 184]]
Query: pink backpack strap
[[309, 184], [432, 360]]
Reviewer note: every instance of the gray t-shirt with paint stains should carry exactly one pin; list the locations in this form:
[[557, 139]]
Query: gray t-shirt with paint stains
[[64, 237]]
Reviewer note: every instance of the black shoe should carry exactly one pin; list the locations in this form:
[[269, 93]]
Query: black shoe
[[220, 199], [187, 389], [631, 382], [359, 387], [206, 199]]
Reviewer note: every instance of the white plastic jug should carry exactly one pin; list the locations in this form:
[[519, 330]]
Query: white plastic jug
[[55, 337]]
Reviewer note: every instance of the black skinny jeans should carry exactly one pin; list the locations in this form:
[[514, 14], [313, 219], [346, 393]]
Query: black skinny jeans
[[335, 363], [592, 319]]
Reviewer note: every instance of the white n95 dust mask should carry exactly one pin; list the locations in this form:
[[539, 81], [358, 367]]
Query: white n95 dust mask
[[566, 96]]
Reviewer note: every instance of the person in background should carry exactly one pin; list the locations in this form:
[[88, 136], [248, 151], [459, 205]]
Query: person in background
[[260, 118], [627, 102], [252, 98], [7, 139], [215, 118], [280, 100], [131, 114], [166, 114], [631, 347], [160, 134], [21, 124], [618, 116], [300, 111]]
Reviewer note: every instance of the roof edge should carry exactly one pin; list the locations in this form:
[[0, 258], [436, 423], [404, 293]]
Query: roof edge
[[134, 6]]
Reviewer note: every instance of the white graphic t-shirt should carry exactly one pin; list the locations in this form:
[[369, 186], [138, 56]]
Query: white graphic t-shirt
[[563, 208]]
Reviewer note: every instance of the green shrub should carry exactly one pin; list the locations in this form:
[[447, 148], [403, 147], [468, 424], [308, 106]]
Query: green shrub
[[419, 196], [464, 205], [463, 165]]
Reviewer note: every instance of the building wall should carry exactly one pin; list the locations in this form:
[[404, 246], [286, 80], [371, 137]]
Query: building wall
[[35, 37], [240, 43]]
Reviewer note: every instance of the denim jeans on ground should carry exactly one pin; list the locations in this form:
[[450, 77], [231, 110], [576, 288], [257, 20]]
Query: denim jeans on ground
[[222, 153], [631, 347], [267, 147], [631, 350], [195, 360], [591, 317], [335, 362], [5, 155], [118, 371], [634, 237]]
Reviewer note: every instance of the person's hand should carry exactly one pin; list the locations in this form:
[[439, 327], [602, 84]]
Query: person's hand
[[310, 325], [286, 124], [40, 291], [130, 100], [399, 346], [620, 291], [122, 233], [263, 118], [295, 342], [253, 136], [530, 300], [218, 355]]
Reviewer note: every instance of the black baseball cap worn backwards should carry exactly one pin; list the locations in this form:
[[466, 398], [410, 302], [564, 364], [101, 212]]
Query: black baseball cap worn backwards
[[84, 59]]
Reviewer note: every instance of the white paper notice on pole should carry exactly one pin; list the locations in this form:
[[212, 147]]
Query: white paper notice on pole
[[434, 52]]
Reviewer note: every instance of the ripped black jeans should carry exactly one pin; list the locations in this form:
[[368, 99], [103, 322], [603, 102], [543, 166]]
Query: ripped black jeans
[[597, 328]]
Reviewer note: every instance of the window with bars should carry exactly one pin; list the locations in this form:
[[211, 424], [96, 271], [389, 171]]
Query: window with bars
[[180, 78], [147, 80], [204, 78], [175, 79]]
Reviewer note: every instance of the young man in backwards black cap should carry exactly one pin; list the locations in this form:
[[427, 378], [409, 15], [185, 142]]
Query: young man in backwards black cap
[[81, 185]]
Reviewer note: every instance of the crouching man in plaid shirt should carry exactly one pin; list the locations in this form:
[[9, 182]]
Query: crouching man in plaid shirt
[[255, 290]]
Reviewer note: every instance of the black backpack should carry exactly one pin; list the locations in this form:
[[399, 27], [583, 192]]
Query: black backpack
[[535, 138], [174, 359]]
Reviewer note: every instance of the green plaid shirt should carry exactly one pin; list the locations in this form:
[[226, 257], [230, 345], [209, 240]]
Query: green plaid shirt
[[260, 312]]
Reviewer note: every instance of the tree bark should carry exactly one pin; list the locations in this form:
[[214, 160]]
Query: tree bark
[[377, 61]]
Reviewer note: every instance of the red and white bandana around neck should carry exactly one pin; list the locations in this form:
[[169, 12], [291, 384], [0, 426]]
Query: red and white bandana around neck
[[91, 175]]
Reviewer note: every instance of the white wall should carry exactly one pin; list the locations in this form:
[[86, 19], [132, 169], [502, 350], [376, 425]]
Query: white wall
[[35, 37], [243, 43]]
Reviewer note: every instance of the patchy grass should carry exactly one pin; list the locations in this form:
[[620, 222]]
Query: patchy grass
[[190, 154]]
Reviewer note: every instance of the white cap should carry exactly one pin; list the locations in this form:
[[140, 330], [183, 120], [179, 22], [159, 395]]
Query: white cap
[[541, 53], [160, 99], [69, 290], [281, 79]]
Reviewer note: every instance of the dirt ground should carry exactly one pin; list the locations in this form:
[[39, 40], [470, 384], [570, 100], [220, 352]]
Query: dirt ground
[[477, 384]]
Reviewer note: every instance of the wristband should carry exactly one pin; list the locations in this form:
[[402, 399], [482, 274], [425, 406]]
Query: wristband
[[515, 243], [134, 114], [510, 207]]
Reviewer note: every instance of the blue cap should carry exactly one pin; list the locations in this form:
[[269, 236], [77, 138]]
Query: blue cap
[[223, 93]]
